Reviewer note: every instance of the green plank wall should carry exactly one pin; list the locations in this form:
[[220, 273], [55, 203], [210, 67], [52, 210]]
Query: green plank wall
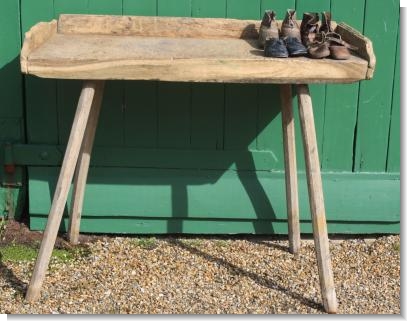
[[208, 158], [11, 102]]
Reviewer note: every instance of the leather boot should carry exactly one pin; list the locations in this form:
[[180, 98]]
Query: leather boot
[[290, 33], [290, 27], [275, 48], [268, 28], [309, 27], [326, 23]]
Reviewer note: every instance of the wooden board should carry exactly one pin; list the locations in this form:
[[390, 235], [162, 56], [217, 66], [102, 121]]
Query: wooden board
[[11, 96], [341, 103], [217, 194], [135, 225], [393, 152], [375, 97], [40, 109], [169, 49]]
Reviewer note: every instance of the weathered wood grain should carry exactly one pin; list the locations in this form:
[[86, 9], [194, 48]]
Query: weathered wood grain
[[316, 199], [158, 26], [178, 59], [61, 191], [34, 38], [82, 167], [364, 45], [173, 49], [291, 185]]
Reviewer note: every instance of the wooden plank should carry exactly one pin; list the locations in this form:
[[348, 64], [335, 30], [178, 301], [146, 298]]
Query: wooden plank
[[375, 95], [35, 38], [290, 168], [242, 9], [34, 11], [174, 8], [339, 129], [51, 155], [219, 194], [209, 8], [159, 26], [11, 200], [111, 126], [176, 59], [40, 108], [140, 114], [70, 7], [280, 7], [318, 92], [140, 7], [10, 77], [240, 117], [312, 6], [42, 118], [82, 167], [207, 100], [11, 130], [108, 7], [269, 118], [207, 112], [61, 191], [341, 103], [269, 134], [393, 153], [140, 98], [316, 200], [194, 60], [68, 92], [174, 115], [136, 225], [364, 47]]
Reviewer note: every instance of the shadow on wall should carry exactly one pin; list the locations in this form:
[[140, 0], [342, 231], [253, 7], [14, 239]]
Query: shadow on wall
[[240, 158], [244, 164], [11, 102]]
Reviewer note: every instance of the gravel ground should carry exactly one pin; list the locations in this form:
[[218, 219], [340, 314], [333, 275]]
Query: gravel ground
[[209, 275]]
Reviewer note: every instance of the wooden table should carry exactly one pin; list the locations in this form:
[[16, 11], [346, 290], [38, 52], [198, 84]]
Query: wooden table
[[99, 48]]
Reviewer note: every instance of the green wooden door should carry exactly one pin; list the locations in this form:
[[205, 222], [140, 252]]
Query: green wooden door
[[208, 158]]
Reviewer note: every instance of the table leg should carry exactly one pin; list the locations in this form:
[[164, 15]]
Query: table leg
[[82, 167], [316, 199], [290, 165], [62, 189]]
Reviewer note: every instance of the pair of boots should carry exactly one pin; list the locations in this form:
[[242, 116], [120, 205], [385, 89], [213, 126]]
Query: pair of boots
[[309, 38], [281, 44], [322, 41]]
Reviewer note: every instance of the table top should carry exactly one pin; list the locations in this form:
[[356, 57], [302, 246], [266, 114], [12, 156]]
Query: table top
[[177, 49]]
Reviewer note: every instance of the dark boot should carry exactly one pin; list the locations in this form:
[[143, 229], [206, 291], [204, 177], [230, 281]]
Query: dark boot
[[275, 48], [268, 28], [326, 23], [290, 27], [295, 47], [309, 27]]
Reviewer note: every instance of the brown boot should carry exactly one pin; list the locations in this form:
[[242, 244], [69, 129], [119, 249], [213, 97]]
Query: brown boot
[[290, 27], [268, 28], [339, 49], [330, 44], [326, 23], [309, 27]]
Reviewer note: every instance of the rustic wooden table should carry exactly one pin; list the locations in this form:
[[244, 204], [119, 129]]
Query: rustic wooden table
[[99, 48]]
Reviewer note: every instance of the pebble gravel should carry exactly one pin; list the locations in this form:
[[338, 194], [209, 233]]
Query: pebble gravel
[[209, 275]]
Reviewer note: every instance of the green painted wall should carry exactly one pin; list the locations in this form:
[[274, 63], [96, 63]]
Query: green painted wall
[[11, 104], [222, 141]]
